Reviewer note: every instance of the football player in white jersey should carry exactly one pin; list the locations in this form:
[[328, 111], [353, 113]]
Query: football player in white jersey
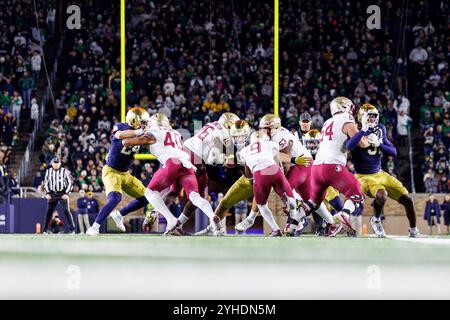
[[329, 167], [210, 145], [261, 158], [177, 170], [296, 159]]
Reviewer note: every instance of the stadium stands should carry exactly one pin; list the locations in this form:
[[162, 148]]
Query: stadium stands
[[21, 65], [193, 62], [87, 94]]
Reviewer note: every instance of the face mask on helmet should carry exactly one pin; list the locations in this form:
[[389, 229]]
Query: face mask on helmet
[[312, 145], [372, 120], [240, 140], [240, 132]]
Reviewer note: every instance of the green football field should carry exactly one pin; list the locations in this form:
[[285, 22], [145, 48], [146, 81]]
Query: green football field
[[231, 267]]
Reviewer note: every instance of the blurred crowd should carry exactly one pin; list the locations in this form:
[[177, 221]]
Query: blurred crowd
[[429, 67], [327, 50], [87, 96], [20, 66], [193, 61], [185, 59]]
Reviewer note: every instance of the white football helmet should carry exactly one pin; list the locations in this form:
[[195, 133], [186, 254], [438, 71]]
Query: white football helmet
[[341, 104]]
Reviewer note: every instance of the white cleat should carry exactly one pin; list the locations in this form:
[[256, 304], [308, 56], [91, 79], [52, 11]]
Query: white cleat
[[118, 220], [171, 227], [92, 232], [377, 227], [208, 231], [219, 233], [244, 225], [415, 233]]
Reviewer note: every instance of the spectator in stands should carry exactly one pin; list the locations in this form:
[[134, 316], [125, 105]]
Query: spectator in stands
[[38, 179], [418, 55], [16, 105], [93, 207], [403, 123], [26, 84], [36, 62], [83, 212], [433, 214], [445, 209], [431, 182]]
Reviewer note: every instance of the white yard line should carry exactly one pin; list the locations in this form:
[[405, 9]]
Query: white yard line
[[422, 240]]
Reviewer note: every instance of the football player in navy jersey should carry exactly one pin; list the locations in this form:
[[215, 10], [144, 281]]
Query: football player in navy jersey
[[115, 175], [374, 181]]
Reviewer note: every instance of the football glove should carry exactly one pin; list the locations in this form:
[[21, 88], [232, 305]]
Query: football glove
[[303, 161], [365, 122], [149, 220], [374, 140]]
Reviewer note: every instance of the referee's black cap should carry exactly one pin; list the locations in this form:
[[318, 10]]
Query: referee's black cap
[[55, 160]]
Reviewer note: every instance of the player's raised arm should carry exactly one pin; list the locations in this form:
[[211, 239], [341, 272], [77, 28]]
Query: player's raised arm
[[386, 146], [145, 139], [356, 137], [126, 134]]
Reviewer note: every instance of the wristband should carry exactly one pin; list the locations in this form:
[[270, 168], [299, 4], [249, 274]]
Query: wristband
[[293, 160]]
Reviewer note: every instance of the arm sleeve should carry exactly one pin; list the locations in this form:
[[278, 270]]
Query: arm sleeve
[[69, 183], [46, 182], [386, 146], [352, 143]]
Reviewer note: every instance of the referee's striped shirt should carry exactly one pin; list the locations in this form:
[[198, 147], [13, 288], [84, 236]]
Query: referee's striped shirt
[[57, 181]]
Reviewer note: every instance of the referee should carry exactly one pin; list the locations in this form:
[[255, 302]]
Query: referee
[[58, 186]]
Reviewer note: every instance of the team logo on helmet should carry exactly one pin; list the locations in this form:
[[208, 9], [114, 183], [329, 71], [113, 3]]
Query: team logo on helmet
[[137, 117], [228, 119], [240, 132]]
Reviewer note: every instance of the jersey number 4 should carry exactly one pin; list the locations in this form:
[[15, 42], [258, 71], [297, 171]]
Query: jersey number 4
[[327, 131], [173, 142]]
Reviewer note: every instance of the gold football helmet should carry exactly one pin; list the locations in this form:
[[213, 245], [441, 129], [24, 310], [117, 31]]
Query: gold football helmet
[[240, 132], [228, 119], [137, 117], [373, 113], [160, 120], [312, 141]]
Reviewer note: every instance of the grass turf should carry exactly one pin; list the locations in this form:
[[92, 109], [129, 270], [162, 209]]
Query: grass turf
[[152, 266]]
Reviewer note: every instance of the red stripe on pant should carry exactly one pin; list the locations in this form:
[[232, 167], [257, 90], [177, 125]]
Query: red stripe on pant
[[171, 173], [265, 179], [335, 175]]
